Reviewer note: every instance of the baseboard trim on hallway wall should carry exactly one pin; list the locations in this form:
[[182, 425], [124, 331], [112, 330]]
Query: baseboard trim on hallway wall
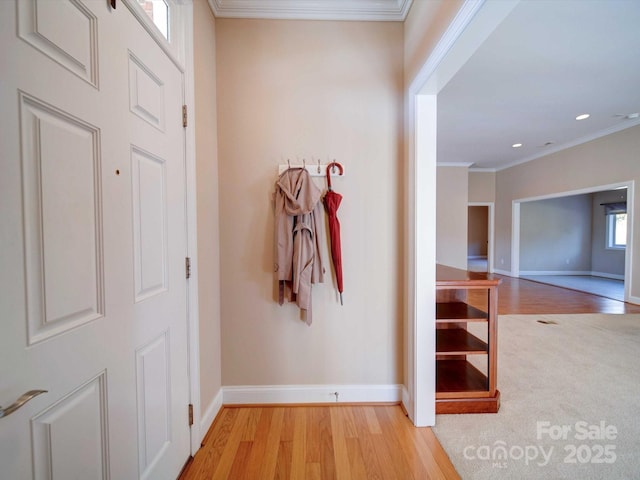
[[612, 276], [634, 300], [283, 394], [210, 414], [533, 273], [506, 273]]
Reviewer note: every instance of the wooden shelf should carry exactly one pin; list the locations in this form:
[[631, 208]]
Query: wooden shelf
[[460, 386], [458, 376], [446, 311], [458, 341], [489, 404]]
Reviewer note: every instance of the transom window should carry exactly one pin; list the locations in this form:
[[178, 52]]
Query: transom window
[[158, 12]]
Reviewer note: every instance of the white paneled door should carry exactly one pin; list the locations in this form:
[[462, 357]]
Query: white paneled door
[[92, 246]]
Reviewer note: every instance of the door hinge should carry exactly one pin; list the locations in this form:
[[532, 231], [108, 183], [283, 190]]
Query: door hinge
[[184, 116], [190, 414], [187, 267]]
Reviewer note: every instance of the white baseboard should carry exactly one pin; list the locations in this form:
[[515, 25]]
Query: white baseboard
[[525, 273], [634, 300], [210, 414], [242, 395], [612, 276], [406, 398], [502, 272], [406, 402]]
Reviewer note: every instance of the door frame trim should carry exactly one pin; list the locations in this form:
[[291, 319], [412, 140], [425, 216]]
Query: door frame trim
[[193, 321]]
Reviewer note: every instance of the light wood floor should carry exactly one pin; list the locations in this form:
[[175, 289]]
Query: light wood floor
[[358, 442], [318, 442]]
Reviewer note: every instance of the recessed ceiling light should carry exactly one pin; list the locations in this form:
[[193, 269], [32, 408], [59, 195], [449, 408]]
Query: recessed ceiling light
[[583, 116], [516, 145]]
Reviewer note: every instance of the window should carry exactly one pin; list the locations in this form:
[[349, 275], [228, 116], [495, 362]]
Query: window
[[617, 230], [158, 11]]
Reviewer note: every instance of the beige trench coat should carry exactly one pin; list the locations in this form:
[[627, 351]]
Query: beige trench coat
[[299, 229]]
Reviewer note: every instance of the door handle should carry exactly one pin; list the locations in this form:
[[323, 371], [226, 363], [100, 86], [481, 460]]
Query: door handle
[[24, 398]]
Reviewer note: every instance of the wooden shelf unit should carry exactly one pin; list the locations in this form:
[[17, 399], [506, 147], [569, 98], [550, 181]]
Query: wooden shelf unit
[[462, 387]]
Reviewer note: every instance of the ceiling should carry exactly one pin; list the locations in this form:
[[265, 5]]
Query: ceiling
[[547, 62], [377, 10]]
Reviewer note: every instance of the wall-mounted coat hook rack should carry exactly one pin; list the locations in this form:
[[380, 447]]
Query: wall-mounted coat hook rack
[[315, 170]]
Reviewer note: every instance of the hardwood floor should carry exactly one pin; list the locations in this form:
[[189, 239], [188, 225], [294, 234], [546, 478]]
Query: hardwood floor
[[519, 296], [318, 442], [358, 442]]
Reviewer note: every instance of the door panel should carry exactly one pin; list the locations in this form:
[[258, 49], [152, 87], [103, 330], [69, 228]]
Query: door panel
[[92, 245], [74, 426], [149, 224], [154, 401], [63, 231], [65, 31], [146, 93]]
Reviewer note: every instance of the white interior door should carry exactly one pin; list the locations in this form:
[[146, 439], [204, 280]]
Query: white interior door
[[92, 246]]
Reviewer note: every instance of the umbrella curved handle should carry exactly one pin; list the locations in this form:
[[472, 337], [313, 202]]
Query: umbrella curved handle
[[329, 168]]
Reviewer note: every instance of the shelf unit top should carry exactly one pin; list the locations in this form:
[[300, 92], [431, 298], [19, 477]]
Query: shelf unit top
[[447, 277]]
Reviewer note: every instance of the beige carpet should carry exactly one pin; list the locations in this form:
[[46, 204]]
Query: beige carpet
[[570, 403]]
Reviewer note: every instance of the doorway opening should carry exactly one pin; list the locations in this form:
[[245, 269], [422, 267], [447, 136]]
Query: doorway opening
[[480, 237], [577, 240]]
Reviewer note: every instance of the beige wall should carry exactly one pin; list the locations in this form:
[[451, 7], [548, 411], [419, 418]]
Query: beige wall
[[424, 26], [208, 206], [482, 187], [323, 90], [451, 216], [604, 161]]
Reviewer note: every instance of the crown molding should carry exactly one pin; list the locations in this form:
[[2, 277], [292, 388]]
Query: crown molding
[[623, 125], [362, 10], [454, 164]]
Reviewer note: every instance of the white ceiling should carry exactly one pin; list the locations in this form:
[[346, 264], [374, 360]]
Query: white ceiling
[[377, 10], [546, 63]]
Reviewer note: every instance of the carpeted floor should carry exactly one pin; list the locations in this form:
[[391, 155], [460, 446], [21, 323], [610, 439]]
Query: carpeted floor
[[570, 403]]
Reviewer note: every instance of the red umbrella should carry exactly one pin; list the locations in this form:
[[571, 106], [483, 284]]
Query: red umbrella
[[331, 203]]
